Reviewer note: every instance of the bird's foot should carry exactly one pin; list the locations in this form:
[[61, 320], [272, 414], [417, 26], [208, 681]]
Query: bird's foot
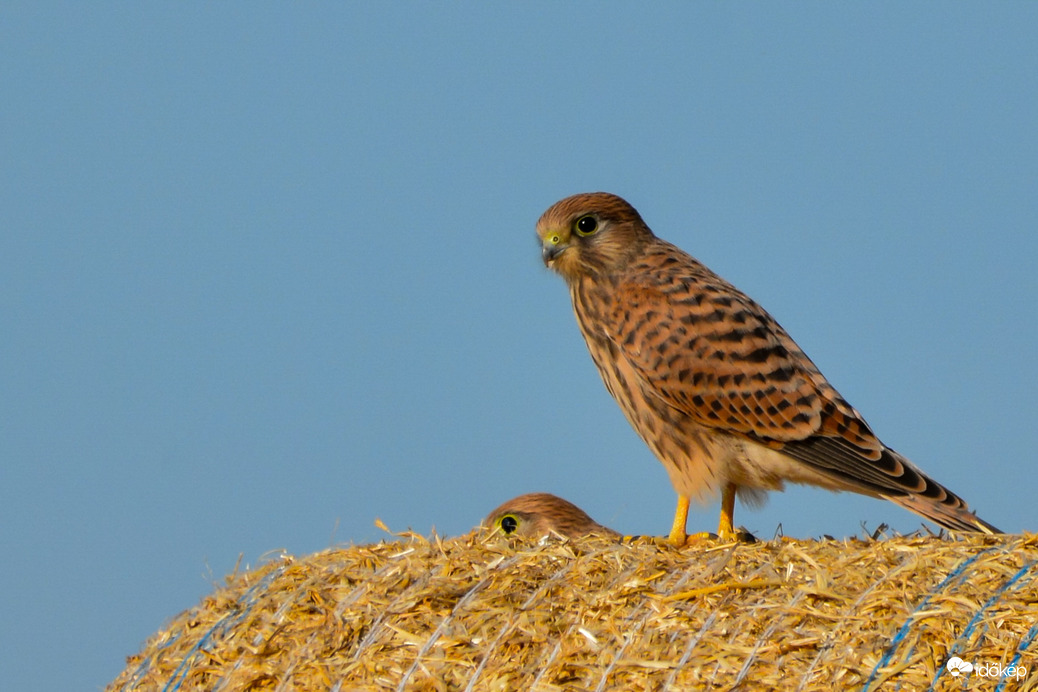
[[658, 541], [695, 539], [739, 535], [701, 539]]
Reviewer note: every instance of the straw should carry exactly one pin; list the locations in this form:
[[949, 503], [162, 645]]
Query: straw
[[479, 613]]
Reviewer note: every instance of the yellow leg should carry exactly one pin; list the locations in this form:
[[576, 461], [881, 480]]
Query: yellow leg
[[725, 527], [677, 530]]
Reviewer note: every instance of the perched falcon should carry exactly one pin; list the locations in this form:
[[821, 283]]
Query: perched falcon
[[538, 514], [717, 389]]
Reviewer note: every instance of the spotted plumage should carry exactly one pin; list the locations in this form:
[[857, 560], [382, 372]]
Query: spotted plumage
[[711, 382], [538, 514]]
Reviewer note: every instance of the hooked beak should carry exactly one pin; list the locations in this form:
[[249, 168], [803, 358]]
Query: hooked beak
[[552, 245]]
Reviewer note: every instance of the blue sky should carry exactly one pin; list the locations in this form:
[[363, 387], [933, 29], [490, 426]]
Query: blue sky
[[268, 271]]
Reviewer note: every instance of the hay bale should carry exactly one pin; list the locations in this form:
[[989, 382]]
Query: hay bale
[[507, 614]]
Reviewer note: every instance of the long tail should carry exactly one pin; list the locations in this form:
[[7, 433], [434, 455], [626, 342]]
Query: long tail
[[890, 476], [948, 511], [931, 500]]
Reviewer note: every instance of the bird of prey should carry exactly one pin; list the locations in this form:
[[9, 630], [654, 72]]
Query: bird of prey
[[538, 514], [714, 386]]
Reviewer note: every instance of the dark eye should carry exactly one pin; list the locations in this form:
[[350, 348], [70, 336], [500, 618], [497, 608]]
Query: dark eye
[[509, 524], [586, 225]]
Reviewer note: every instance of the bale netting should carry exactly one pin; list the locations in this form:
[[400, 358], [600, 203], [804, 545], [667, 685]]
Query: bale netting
[[479, 613]]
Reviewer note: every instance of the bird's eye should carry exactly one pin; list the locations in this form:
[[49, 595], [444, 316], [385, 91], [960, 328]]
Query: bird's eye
[[586, 225], [509, 523]]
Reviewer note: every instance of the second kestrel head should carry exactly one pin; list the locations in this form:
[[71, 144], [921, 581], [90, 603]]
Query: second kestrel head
[[539, 514]]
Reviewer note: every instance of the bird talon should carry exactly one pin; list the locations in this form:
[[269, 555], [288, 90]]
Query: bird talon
[[739, 535], [698, 538], [736, 536], [692, 539]]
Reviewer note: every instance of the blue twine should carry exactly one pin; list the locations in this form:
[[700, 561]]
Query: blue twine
[[1024, 645], [148, 661], [220, 626], [954, 649], [903, 631]]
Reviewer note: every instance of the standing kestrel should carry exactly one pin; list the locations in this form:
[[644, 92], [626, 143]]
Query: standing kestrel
[[539, 514], [717, 389]]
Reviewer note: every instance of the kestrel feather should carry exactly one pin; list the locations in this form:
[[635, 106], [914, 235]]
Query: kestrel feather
[[716, 388]]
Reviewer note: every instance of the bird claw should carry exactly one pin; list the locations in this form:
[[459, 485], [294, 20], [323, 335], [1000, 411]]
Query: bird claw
[[663, 541], [739, 535], [659, 541], [695, 539]]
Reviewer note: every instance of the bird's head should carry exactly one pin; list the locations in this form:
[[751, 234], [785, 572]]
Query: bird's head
[[590, 234], [540, 514]]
